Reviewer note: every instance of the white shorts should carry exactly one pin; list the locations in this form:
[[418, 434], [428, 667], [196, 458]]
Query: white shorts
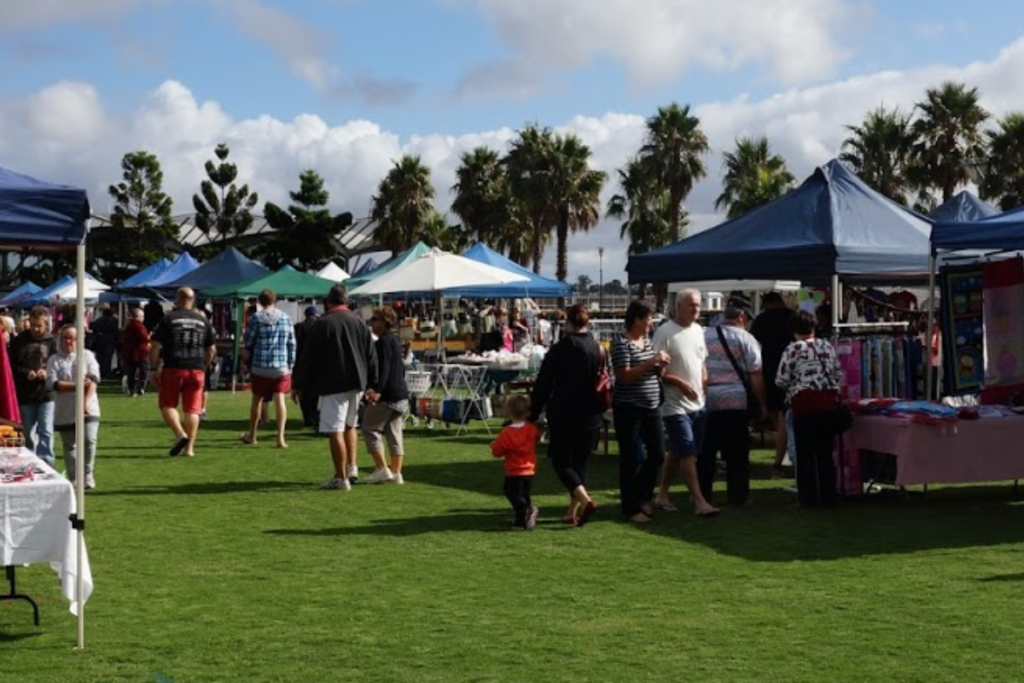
[[339, 412]]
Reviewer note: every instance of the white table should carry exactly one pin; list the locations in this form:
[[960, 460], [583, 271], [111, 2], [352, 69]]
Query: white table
[[35, 526]]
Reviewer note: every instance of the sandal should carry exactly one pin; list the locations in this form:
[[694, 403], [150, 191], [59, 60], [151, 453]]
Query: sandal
[[640, 518], [709, 512], [569, 519], [665, 505], [244, 438], [647, 510]]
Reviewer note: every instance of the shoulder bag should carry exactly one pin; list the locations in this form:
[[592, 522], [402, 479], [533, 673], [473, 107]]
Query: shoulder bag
[[753, 405]]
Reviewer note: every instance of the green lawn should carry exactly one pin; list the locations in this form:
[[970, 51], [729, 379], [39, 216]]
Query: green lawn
[[233, 566]]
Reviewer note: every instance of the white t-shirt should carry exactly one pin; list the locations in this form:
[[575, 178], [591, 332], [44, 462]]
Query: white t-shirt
[[687, 351]]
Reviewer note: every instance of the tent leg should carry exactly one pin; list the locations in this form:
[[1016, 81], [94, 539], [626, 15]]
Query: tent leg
[[929, 390], [80, 442], [15, 595]]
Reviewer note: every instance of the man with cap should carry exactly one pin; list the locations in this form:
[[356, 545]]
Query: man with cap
[[309, 401]]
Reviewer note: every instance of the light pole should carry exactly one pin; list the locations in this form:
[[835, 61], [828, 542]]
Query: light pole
[[600, 279]]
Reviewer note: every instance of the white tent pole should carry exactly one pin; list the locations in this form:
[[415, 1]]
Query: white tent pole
[[837, 302], [80, 439], [929, 390]]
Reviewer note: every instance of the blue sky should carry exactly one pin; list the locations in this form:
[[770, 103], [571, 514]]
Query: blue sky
[[82, 82]]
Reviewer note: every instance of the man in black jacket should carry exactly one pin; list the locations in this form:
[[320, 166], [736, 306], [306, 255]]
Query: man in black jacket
[[338, 363], [309, 401]]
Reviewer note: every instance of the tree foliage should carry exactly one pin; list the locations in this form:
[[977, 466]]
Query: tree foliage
[[402, 205], [223, 209], [529, 167], [949, 142], [1003, 179], [142, 229], [753, 176], [481, 196], [305, 235], [881, 151], [439, 233]]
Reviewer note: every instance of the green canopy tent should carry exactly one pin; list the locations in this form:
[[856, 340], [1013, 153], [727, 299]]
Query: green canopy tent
[[286, 282]]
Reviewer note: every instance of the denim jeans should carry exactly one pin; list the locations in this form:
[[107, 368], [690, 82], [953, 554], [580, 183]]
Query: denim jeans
[[38, 422]]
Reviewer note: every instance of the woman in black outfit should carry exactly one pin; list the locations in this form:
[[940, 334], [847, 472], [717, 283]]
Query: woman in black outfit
[[565, 386], [635, 408]]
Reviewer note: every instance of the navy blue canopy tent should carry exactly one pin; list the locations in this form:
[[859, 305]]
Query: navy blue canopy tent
[[229, 267], [964, 206], [832, 224], [366, 267], [179, 268], [35, 214], [999, 232], [22, 291]]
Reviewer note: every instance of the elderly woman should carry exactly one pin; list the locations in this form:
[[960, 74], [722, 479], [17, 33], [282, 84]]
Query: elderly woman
[[809, 374], [635, 408], [565, 387], [135, 352], [387, 402], [61, 371]]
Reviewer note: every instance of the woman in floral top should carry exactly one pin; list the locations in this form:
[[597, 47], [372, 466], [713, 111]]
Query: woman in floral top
[[809, 374]]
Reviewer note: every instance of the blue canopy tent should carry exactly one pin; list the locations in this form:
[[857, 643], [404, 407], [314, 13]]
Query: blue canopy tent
[[535, 286], [140, 278], [22, 291], [47, 296], [368, 266], [226, 268], [179, 268], [964, 206], [831, 225], [37, 215]]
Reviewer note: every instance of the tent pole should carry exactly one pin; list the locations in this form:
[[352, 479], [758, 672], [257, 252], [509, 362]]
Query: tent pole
[[80, 440], [837, 302], [929, 390], [239, 311]]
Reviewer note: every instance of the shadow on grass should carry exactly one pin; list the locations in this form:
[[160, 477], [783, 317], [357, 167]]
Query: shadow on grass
[[485, 521], [14, 637], [1003, 578], [205, 488]]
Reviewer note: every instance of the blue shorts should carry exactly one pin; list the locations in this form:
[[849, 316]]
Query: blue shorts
[[685, 433]]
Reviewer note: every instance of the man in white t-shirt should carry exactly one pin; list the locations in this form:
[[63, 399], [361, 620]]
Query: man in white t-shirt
[[683, 411]]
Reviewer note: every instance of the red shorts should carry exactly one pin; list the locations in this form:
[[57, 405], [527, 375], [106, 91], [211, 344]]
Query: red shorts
[[187, 385], [266, 387]]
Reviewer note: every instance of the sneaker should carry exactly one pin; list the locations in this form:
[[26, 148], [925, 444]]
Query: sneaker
[[531, 518], [380, 476], [336, 484], [90, 481], [396, 479], [353, 474]]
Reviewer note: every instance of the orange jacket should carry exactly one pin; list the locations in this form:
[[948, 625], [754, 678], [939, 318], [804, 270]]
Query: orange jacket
[[517, 443]]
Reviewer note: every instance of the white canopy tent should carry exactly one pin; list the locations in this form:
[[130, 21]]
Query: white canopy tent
[[333, 272]]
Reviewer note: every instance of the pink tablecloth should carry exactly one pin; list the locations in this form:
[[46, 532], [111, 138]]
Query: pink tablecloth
[[988, 449]]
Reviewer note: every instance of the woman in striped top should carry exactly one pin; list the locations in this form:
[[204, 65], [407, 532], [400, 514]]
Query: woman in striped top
[[635, 409]]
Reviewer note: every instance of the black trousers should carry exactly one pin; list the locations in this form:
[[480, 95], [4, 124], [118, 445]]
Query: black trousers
[[638, 472], [569, 450], [517, 490], [309, 403], [726, 434], [815, 469], [137, 373]]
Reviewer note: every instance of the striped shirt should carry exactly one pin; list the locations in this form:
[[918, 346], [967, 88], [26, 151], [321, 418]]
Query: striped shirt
[[644, 392]]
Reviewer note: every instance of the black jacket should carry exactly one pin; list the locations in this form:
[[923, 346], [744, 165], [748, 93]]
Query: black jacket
[[338, 356], [301, 330], [28, 353], [391, 370], [565, 383]]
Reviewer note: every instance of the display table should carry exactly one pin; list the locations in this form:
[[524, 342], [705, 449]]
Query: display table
[[35, 525], [987, 449]]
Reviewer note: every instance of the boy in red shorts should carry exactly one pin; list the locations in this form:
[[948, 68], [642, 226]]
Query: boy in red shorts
[[270, 352]]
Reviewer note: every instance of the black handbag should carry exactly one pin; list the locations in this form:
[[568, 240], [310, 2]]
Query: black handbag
[[753, 405]]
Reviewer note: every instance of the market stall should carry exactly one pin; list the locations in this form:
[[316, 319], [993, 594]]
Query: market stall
[[45, 216]]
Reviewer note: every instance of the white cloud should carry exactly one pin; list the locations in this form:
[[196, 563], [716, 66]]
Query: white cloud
[[64, 133], [794, 41]]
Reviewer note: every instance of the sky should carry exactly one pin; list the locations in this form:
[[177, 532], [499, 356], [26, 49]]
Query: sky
[[345, 87]]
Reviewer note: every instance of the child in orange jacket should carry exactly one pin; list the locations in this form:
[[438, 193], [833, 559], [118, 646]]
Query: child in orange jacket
[[517, 444]]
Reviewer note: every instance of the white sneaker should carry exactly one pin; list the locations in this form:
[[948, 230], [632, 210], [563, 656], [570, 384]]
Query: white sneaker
[[90, 481], [353, 473], [336, 484], [380, 476], [396, 479]]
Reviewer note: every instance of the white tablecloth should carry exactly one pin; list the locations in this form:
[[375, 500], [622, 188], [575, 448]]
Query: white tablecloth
[[35, 526]]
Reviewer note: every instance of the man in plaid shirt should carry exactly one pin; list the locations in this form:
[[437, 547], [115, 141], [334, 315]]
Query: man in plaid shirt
[[269, 350]]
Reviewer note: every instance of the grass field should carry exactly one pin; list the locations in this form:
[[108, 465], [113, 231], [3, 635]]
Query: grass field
[[233, 566]]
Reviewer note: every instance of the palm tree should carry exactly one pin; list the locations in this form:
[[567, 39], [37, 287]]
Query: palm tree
[[575, 189], [1003, 178], [753, 176], [515, 238], [529, 165], [583, 283], [673, 149], [645, 209], [881, 152], [402, 204], [439, 233], [949, 139], [480, 194]]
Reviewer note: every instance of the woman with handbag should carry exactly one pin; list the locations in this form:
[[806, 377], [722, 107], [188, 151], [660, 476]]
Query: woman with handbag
[[566, 390], [809, 374]]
